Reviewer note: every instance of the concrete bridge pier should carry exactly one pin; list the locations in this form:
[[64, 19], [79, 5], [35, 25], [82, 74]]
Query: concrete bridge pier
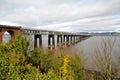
[[36, 43], [65, 40], [77, 38], [51, 42], [73, 39], [59, 40], [70, 40]]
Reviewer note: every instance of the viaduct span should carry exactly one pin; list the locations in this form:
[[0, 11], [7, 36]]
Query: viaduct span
[[63, 38]]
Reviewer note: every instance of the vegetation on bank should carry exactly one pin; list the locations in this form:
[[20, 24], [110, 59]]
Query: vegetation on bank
[[17, 63]]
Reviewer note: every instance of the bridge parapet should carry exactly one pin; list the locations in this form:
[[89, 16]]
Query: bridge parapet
[[46, 32]]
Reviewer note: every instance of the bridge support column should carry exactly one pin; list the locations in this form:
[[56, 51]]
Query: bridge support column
[[51, 42], [79, 38], [65, 39], [59, 40], [70, 40], [74, 40], [36, 37]]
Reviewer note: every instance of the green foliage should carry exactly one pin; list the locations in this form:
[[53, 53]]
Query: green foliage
[[41, 59], [34, 57], [76, 66], [12, 63], [4, 48], [45, 61], [91, 78], [57, 63], [67, 71], [4, 66], [52, 76], [15, 64], [19, 44]]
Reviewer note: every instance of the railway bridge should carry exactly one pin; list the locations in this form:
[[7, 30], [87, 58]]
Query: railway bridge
[[63, 38]]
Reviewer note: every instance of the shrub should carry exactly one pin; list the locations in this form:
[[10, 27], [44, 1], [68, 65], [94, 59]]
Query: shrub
[[41, 59], [45, 61], [19, 45], [15, 64], [76, 66], [57, 63], [34, 58], [67, 72], [12, 63]]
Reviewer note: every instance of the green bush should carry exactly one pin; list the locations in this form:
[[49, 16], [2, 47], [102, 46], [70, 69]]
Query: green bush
[[34, 58], [4, 66], [12, 63], [4, 48], [57, 63], [45, 61], [41, 59], [15, 64], [19, 45], [76, 66]]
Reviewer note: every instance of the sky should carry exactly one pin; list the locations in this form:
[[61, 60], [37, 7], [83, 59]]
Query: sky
[[62, 15]]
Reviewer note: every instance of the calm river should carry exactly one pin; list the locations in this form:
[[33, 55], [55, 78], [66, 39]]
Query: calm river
[[87, 48]]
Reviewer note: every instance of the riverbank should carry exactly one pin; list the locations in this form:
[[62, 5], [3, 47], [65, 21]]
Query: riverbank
[[16, 62]]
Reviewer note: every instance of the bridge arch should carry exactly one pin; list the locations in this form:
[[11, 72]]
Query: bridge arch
[[12, 30], [6, 37]]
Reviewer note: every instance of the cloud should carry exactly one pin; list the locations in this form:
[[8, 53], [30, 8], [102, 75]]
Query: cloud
[[103, 23], [9, 23], [67, 15]]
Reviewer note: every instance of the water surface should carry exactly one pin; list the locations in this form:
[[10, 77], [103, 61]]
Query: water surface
[[87, 47]]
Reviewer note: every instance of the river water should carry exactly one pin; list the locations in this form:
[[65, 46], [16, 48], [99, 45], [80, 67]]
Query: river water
[[87, 49]]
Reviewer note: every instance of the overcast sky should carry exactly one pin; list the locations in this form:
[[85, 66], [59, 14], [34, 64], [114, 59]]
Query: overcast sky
[[62, 15]]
